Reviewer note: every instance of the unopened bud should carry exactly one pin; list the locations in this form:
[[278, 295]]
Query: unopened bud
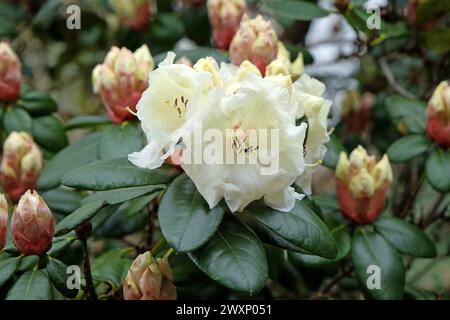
[[32, 225], [135, 14], [21, 164], [225, 17], [438, 115], [121, 79], [255, 41], [10, 74], [3, 221], [149, 279]]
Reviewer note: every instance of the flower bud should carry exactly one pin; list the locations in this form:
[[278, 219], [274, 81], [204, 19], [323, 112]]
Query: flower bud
[[32, 225], [225, 16], [438, 115], [149, 279], [3, 221], [134, 13], [21, 164], [362, 185], [121, 79], [355, 109], [209, 65], [255, 41], [10, 74]]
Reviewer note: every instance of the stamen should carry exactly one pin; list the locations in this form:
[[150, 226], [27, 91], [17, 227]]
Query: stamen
[[131, 111]]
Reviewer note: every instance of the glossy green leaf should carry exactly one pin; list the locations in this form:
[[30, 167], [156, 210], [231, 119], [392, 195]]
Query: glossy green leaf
[[62, 200], [296, 10], [32, 285], [139, 203], [27, 263], [437, 170], [7, 268], [406, 237], [49, 133], [300, 226], [78, 217], [16, 119], [116, 173], [408, 147], [112, 266], [234, 257], [116, 196], [86, 122], [119, 141], [370, 251], [185, 218], [61, 244], [408, 115], [57, 272], [37, 103], [80, 153], [276, 259]]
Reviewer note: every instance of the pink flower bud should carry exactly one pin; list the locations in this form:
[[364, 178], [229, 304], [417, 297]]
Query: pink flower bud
[[362, 185], [355, 109], [225, 17], [255, 41], [135, 14], [438, 115], [149, 279], [21, 164], [10, 74], [32, 225], [121, 79], [3, 220]]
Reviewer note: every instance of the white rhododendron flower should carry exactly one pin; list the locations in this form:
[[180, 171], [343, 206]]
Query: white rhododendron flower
[[237, 130]]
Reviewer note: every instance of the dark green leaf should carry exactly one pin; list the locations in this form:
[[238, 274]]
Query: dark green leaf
[[121, 222], [111, 266], [49, 133], [408, 115], [16, 119], [371, 249], [301, 227], [57, 272], [119, 141], [438, 170], [61, 245], [408, 147], [296, 10], [276, 259], [116, 196], [406, 237], [27, 263], [7, 269], [78, 217], [32, 285], [234, 257], [62, 200], [86, 122], [37, 103], [139, 203], [80, 153], [185, 218], [116, 173]]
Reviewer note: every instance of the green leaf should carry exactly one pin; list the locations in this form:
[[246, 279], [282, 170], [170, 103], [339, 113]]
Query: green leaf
[[111, 266], [343, 240], [49, 133], [185, 218], [61, 244], [121, 222], [7, 269], [57, 272], [405, 237], [408, 115], [185, 272], [296, 10], [119, 141], [438, 39], [80, 153], [32, 285], [62, 200], [300, 226], [16, 119], [234, 257], [87, 122], [37, 103], [138, 204], [276, 260], [371, 249], [27, 263], [408, 147], [116, 173], [437, 170], [334, 148], [116, 196], [78, 217]]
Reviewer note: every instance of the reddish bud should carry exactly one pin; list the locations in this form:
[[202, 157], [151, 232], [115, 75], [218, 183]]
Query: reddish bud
[[3, 220], [10, 74], [135, 14], [438, 115]]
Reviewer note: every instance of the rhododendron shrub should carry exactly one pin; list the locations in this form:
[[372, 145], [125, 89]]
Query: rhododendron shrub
[[224, 149]]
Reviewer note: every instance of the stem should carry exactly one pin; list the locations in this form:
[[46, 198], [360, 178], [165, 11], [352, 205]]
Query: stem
[[90, 289], [157, 247], [432, 215], [169, 253]]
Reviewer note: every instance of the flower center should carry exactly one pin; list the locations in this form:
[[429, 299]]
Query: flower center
[[179, 104], [241, 141]]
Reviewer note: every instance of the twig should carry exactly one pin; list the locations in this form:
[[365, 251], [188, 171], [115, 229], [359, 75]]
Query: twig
[[90, 289], [391, 79], [161, 242]]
